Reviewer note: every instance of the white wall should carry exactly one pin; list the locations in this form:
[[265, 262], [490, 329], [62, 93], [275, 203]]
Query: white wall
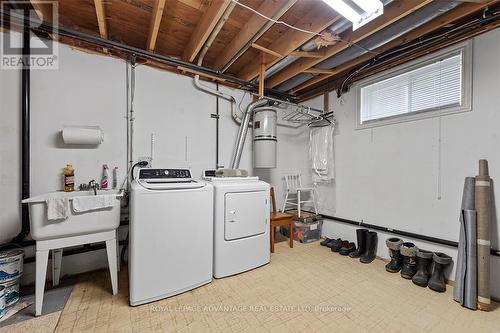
[[389, 175], [10, 154], [91, 90]]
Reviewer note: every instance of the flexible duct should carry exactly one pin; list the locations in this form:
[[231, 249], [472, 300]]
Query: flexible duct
[[384, 36], [242, 132]]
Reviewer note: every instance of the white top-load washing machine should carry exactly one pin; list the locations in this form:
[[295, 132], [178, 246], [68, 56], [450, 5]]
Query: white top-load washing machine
[[241, 224], [171, 234]]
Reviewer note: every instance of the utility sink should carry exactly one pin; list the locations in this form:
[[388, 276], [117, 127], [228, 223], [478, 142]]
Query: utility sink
[[94, 221]]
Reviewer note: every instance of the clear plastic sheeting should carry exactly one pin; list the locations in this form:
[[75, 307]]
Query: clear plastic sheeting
[[321, 153]]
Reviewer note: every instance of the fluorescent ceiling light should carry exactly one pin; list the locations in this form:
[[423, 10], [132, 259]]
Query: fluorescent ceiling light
[[371, 8]]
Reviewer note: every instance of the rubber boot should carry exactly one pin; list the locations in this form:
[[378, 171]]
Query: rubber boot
[[394, 245], [409, 252], [424, 261], [371, 248], [436, 282], [361, 239]]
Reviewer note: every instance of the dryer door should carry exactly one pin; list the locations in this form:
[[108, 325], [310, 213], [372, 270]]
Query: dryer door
[[246, 214]]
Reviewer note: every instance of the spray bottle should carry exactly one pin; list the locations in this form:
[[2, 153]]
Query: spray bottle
[[105, 177]]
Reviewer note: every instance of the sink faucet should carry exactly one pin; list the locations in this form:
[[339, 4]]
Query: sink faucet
[[93, 185]]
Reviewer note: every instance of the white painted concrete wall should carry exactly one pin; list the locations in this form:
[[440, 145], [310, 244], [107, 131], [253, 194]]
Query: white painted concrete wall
[[91, 90], [10, 154], [389, 175]]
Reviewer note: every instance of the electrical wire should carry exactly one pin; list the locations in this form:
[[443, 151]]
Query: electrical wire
[[314, 33]]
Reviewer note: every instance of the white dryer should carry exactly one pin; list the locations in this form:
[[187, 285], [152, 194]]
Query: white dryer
[[171, 234], [241, 224]]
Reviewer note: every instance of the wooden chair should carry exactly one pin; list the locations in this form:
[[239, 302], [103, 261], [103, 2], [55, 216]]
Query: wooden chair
[[280, 219]]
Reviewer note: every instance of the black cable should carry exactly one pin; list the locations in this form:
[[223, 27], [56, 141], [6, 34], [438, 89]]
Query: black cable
[[140, 163]]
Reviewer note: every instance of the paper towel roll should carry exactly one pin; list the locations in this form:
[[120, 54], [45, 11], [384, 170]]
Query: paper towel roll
[[82, 135]]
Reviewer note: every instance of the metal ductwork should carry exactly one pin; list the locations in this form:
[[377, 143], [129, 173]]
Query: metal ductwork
[[393, 31], [242, 132]]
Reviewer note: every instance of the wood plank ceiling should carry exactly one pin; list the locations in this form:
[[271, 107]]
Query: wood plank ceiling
[[248, 43]]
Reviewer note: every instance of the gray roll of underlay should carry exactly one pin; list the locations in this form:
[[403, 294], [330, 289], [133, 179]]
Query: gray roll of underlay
[[463, 264], [483, 208], [470, 292]]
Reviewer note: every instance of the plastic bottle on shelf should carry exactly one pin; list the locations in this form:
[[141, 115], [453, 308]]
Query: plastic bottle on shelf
[[105, 177], [69, 178], [115, 177]]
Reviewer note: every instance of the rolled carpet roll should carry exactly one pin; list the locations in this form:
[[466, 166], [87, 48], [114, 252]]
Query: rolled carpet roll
[[470, 290], [483, 209], [466, 265]]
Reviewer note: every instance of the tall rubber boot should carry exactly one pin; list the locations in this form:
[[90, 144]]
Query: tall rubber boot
[[361, 239], [394, 245], [371, 248], [409, 252], [436, 282], [424, 261]]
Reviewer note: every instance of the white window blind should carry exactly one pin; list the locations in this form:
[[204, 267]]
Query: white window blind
[[436, 85]]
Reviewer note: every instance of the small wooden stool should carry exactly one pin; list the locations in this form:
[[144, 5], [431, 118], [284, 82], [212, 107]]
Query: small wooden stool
[[280, 219]]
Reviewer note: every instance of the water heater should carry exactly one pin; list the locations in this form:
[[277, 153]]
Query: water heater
[[264, 138]]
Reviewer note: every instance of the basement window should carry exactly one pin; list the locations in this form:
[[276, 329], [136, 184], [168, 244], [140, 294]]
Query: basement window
[[432, 86]]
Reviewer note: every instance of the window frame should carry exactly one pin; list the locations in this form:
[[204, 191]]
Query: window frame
[[465, 48]]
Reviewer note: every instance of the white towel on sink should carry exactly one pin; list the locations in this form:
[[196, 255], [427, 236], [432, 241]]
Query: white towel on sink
[[93, 202], [57, 208]]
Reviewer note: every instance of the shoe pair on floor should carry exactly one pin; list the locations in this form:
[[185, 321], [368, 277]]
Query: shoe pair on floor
[[343, 247], [366, 250], [424, 268]]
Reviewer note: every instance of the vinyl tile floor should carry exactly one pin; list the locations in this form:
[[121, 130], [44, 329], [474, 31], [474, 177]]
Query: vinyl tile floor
[[304, 289]]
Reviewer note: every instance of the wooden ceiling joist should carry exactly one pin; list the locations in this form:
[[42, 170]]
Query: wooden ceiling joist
[[274, 9], [101, 18], [204, 28], [394, 11], [319, 17], [154, 27], [266, 50], [43, 11], [453, 15]]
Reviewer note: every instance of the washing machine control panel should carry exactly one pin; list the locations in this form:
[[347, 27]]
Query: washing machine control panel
[[165, 174]]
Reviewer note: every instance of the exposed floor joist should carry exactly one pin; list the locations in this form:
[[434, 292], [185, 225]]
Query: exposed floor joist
[[43, 11], [101, 20], [204, 28], [453, 15], [154, 28], [394, 11], [274, 9], [317, 19]]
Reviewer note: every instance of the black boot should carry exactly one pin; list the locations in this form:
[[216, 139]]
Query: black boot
[[408, 251], [361, 238], [436, 282], [371, 248], [394, 245], [424, 261]]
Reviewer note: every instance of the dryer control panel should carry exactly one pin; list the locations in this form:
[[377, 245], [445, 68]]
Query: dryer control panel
[[164, 175]]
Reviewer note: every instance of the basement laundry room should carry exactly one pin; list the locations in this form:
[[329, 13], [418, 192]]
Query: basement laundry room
[[249, 166]]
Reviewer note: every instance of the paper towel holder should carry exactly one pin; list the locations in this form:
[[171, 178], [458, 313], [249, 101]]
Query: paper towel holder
[[82, 135]]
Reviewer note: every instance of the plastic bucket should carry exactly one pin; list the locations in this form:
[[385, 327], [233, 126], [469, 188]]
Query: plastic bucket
[[11, 264], [11, 291], [2, 301]]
